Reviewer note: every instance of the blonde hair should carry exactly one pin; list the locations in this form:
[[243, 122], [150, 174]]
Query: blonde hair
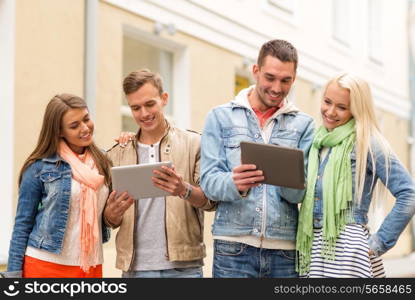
[[367, 131]]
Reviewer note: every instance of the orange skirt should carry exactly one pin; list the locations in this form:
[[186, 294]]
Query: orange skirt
[[36, 268]]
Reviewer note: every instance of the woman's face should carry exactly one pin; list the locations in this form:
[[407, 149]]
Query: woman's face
[[77, 129], [335, 106]]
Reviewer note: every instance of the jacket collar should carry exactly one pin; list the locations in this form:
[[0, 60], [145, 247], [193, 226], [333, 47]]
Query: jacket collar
[[166, 132], [53, 159], [241, 101]]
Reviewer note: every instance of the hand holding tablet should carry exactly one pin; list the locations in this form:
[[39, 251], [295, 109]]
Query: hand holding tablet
[[137, 181]]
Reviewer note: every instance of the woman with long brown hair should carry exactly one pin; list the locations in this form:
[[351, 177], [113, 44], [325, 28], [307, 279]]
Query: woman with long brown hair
[[63, 188]]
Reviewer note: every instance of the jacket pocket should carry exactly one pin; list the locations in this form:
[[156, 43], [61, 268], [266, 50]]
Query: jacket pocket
[[232, 138], [51, 182], [49, 176], [287, 138], [228, 248]]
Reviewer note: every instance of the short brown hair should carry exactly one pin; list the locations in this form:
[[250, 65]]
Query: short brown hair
[[137, 79], [280, 49]]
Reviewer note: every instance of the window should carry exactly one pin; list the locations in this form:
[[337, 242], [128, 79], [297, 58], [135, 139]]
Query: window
[[375, 30], [138, 55], [341, 21], [241, 82]]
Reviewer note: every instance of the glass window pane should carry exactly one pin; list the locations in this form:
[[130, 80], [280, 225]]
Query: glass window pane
[[341, 21], [241, 82]]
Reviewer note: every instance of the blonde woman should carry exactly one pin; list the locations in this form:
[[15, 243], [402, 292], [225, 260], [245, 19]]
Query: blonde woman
[[348, 157], [63, 188]]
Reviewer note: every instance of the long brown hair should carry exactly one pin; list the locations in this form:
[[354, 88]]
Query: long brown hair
[[50, 135]]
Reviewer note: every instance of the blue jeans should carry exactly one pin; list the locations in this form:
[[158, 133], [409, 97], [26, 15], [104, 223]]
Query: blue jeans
[[194, 272], [237, 260]]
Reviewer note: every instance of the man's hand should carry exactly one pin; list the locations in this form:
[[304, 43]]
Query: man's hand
[[167, 179], [246, 177], [116, 206], [124, 138]]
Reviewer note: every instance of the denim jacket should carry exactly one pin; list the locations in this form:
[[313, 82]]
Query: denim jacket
[[228, 125], [399, 183], [42, 210]]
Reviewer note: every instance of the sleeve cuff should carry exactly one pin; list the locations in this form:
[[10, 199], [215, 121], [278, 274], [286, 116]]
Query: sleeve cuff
[[11, 274], [244, 193], [108, 223], [375, 245], [209, 205]]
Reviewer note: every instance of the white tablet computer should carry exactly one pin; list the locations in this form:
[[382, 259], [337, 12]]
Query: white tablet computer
[[136, 180], [282, 166]]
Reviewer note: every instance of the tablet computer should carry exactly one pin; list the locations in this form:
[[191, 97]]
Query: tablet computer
[[136, 180], [282, 166]]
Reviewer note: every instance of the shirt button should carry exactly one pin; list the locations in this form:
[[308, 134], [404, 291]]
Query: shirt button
[[151, 145], [258, 209], [152, 155], [256, 135]]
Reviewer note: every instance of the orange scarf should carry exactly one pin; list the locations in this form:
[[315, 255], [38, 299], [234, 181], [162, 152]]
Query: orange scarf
[[86, 173]]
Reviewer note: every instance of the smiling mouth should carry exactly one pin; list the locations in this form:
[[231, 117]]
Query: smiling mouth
[[86, 136], [274, 96], [330, 120], [148, 121]]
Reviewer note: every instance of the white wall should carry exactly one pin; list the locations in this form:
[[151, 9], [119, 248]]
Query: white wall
[[7, 33]]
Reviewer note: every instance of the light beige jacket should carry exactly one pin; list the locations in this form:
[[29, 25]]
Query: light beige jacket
[[184, 223]]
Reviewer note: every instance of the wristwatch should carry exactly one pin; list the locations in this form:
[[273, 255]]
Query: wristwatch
[[187, 193]]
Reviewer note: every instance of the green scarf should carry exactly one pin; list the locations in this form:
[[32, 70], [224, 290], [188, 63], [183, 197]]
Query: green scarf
[[337, 192]]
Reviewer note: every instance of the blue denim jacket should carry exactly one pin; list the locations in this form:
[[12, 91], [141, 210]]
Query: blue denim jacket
[[226, 126], [42, 210], [401, 186]]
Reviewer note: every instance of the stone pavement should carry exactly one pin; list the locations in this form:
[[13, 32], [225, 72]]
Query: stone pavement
[[403, 267]]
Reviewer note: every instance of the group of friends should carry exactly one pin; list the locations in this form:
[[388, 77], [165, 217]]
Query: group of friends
[[67, 208]]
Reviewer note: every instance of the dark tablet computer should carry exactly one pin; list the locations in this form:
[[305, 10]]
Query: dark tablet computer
[[282, 166], [136, 180]]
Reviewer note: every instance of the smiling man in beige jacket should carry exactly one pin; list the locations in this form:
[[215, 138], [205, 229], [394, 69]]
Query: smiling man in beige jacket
[[159, 237]]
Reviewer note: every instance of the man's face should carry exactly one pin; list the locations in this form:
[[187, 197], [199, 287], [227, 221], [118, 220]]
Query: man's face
[[273, 81], [147, 107]]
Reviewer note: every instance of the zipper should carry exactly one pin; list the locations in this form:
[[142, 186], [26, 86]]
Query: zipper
[[165, 198], [135, 215]]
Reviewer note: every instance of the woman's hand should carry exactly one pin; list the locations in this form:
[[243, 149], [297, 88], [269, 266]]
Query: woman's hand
[[124, 138]]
